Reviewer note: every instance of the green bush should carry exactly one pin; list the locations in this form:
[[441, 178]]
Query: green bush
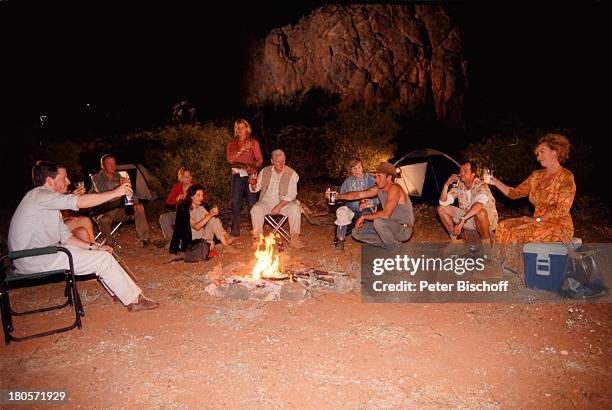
[[361, 133], [201, 148], [303, 147], [320, 137]]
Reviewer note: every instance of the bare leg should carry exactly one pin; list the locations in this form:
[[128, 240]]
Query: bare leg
[[446, 217], [81, 227], [482, 224]]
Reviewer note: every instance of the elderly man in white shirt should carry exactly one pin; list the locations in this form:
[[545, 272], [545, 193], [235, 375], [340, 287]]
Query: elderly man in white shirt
[[38, 223], [278, 186]]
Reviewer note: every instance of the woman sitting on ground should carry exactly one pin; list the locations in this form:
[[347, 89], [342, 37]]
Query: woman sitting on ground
[[551, 190], [194, 222]]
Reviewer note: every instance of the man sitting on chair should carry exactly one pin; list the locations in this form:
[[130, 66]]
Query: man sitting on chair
[[278, 186], [106, 180], [37, 223]]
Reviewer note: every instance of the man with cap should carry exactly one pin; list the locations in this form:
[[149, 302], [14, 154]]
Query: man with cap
[[392, 225]]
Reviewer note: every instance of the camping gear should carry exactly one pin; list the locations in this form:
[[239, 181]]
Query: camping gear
[[545, 264], [423, 173], [11, 278], [584, 279]]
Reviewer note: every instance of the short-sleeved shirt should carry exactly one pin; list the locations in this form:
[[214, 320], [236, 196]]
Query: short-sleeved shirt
[[37, 222], [196, 214], [104, 184], [352, 183]]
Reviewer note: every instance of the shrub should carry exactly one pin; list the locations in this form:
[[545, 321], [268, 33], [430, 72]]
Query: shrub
[[303, 147], [201, 148], [361, 133]]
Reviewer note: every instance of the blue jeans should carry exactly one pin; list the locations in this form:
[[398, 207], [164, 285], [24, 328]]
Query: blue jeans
[[239, 186], [383, 233]]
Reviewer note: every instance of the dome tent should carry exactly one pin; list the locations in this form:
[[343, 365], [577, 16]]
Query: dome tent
[[141, 180], [423, 173]]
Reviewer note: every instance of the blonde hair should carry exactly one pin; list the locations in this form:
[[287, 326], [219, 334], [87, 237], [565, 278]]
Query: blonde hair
[[246, 124], [558, 143], [181, 172]]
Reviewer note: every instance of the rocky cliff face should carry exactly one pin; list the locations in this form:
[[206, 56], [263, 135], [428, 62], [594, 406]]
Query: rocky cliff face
[[377, 54]]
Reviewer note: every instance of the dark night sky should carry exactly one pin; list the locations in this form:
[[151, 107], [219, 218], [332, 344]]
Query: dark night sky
[[132, 62]]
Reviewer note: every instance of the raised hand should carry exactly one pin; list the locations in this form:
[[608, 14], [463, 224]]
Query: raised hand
[[451, 179]]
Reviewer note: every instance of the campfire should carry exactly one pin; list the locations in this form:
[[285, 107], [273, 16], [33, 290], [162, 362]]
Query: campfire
[[266, 262], [268, 282]]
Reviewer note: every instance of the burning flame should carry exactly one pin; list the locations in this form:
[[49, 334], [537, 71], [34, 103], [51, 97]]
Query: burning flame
[[266, 264]]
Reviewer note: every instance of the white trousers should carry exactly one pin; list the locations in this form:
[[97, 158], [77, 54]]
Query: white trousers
[[291, 210], [102, 263]]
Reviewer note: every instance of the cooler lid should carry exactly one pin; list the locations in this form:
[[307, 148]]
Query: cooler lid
[[551, 248]]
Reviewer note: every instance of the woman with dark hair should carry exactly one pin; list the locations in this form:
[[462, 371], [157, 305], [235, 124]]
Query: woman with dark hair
[[244, 157], [194, 222], [551, 190]]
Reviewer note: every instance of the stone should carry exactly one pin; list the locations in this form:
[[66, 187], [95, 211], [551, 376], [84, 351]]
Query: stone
[[293, 291], [411, 54], [237, 291], [214, 290], [343, 284]]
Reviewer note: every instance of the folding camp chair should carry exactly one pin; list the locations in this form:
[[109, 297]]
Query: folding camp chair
[[11, 278], [112, 234], [276, 222]]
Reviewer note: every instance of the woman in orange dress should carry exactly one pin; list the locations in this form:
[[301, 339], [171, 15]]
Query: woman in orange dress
[[551, 190]]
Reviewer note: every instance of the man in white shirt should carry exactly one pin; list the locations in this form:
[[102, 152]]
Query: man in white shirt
[[38, 223], [278, 186], [476, 210]]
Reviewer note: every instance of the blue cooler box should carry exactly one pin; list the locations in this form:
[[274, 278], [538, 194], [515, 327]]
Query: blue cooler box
[[545, 265]]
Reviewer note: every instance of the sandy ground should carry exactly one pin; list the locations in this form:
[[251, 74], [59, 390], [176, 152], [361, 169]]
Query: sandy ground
[[329, 351]]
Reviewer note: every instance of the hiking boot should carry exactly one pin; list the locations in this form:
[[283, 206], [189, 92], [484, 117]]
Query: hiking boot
[[142, 304], [296, 242]]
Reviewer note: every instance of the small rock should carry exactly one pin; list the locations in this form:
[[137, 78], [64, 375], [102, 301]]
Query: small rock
[[215, 290], [342, 284], [564, 353], [293, 291], [153, 285], [237, 291]]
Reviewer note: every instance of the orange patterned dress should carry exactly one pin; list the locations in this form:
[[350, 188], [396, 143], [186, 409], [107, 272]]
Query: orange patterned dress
[[552, 203]]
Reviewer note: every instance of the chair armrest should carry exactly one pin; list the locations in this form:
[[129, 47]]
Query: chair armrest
[[32, 252]]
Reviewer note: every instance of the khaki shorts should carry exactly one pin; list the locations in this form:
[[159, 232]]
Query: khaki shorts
[[471, 223]]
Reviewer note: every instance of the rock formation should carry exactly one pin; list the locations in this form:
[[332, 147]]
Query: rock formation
[[376, 54]]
